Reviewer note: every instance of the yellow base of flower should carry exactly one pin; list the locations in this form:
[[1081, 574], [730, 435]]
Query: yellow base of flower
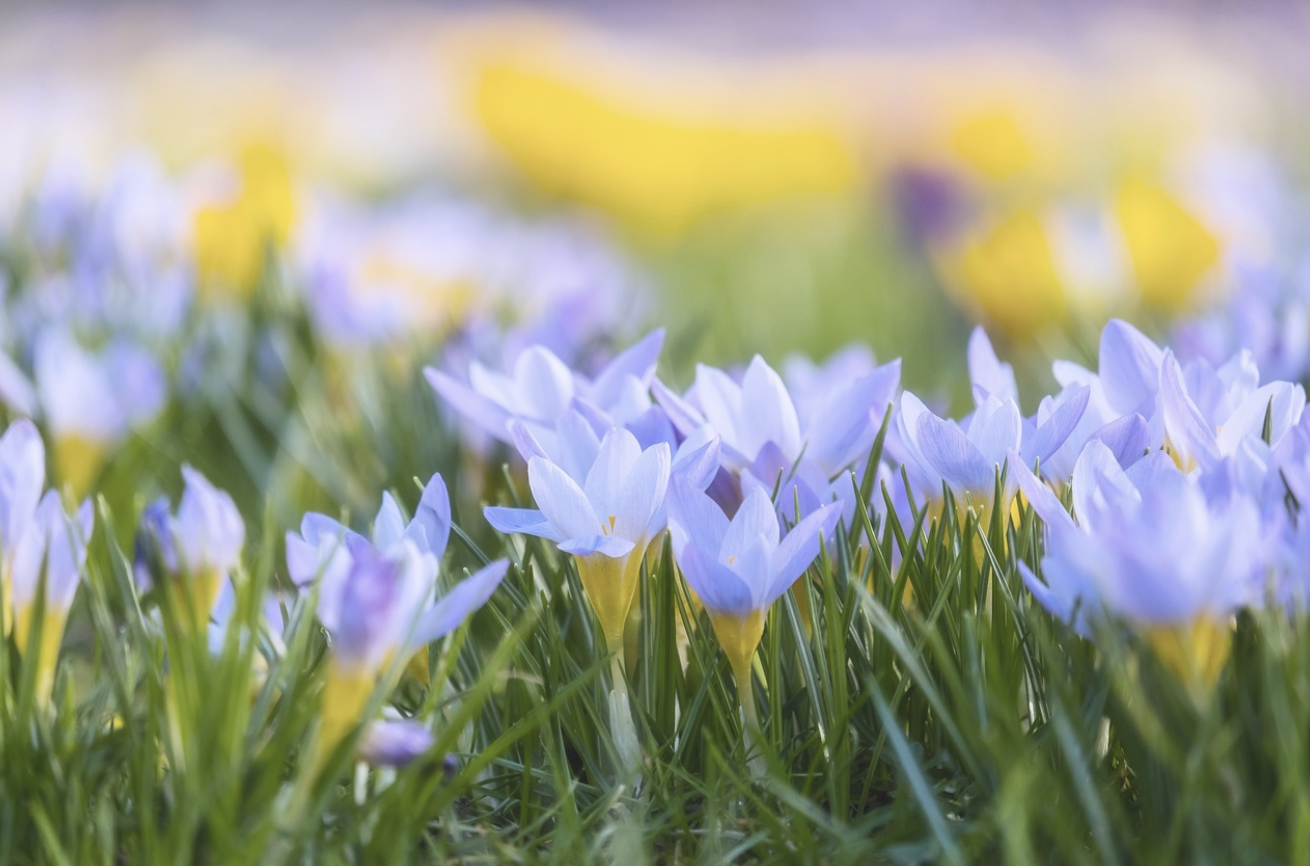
[[1196, 652], [192, 599], [345, 695], [47, 651], [611, 585], [77, 462], [740, 637]]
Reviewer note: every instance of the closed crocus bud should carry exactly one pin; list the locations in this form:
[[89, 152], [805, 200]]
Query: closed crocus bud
[[22, 475], [53, 549], [154, 552], [208, 535]]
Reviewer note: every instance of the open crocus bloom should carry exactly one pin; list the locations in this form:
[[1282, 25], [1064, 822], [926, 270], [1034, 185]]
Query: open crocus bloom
[[1150, 547], [838, 428], [329, 554], [324, 548], [1208, 413], [740, 567], [768, 441], [966, 455], [603, 522], [377, 598], [541, 388]]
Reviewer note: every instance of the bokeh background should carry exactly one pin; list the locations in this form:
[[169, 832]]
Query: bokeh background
[[436, 185]]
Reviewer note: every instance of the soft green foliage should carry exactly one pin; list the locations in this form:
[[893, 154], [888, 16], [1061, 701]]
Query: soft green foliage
[[917, 706]]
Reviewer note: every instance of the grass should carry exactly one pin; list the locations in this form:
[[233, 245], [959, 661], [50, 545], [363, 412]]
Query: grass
[[916, 707]]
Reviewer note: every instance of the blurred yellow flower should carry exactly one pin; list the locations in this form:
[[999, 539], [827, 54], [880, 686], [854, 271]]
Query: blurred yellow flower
[[993, 143], [1008, 273], [660, 169], [232, 238], [1168, 248]]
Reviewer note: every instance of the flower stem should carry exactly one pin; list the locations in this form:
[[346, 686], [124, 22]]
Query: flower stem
[[750, 721], [622, 726]]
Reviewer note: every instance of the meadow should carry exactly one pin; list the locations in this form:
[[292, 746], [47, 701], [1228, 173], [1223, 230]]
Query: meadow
[[420, 448]]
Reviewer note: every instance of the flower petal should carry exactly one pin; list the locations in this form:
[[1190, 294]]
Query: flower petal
[[524, 521], [719, 588], [473, 407], [637, 361], [799, 549], [1051, 434], [988, 375], [950, 453], [432, 518], [457, 605], [766, 413], [561, 500], [694, 518], [606, 545]]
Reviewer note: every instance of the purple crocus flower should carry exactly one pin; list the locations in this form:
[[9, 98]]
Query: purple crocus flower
[[606, 522], [966, 455], [329, 554], [380, 608], [37, 540], [196, 550], [541, 388], [393, 742], [1209, 413], [766, 440], [1150, 547], [740, 567]]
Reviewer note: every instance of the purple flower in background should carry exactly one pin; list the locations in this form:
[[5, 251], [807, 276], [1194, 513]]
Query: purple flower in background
[[38, 542], [766, 440], [1208, 413], [393, 742], [195, 551], [541, 388], [90, 401]]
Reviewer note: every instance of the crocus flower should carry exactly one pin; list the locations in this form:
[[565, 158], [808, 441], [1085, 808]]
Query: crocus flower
[[382, 607], [90, 401], [53, 549], [323, 549], [765, 439], [22, 476], [1149, 547], [740, 567], [393, 742], [377, 597], [603, 522], [965, 456], [207, 535], [38, 542], [1208, 412], [541, 388]]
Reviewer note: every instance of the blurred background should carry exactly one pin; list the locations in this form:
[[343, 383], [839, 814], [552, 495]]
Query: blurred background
[[383, 187]]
